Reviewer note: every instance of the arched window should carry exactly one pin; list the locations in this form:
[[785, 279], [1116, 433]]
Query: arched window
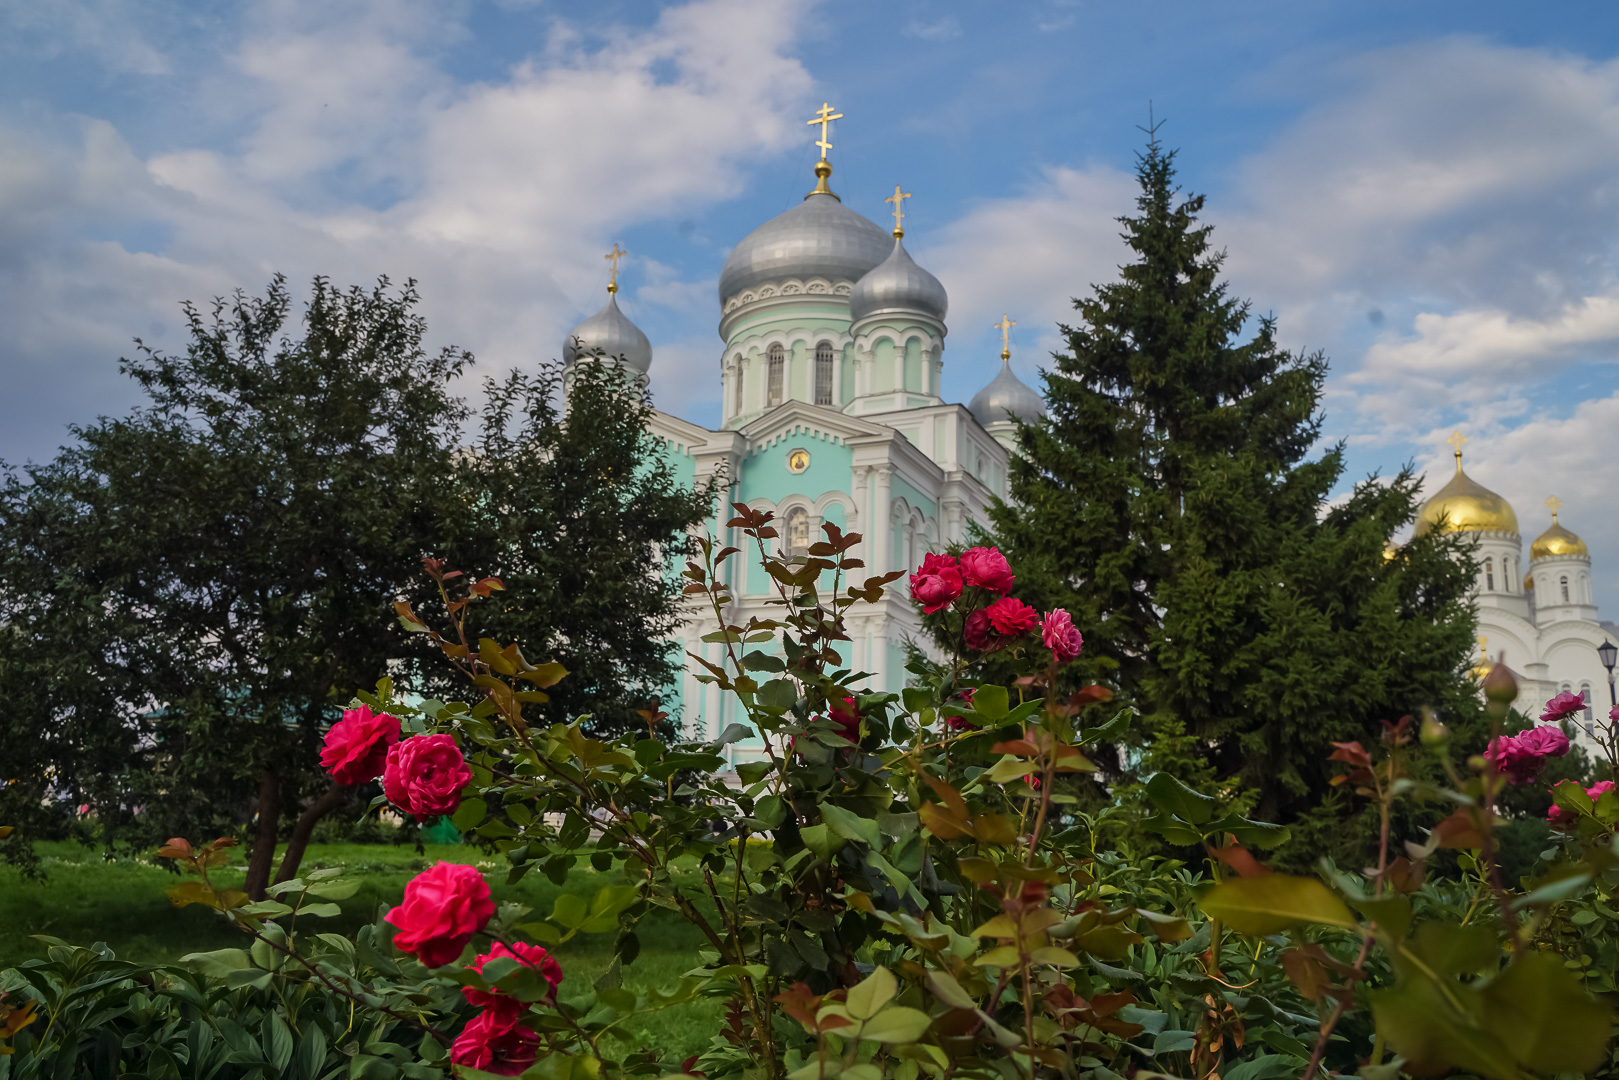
[[1585, 692], [778, 369], [1506, 574], [1564, 582], [1489, 575], [823, 373], [798, 531], [741, 369]]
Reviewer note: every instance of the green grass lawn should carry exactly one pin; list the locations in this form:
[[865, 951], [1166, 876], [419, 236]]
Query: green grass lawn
[[86, 898]]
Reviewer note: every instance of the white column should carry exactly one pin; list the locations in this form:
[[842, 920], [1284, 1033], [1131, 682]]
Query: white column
[[882, 527], [712, 697]]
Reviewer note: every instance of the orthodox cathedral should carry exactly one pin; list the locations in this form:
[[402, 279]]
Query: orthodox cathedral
[[831, 412], [830, 373], [1539, 619]]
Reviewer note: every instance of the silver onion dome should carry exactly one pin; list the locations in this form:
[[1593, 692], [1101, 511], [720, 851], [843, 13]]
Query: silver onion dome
[[1006, 393], [610, 335], [820, 237], [897, 284]]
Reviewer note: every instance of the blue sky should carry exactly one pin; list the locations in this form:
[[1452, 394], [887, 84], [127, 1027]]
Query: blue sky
[[1427, 192]]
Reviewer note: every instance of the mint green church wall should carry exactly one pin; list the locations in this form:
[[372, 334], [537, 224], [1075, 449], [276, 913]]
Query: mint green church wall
[[913, 364], [899, 488], [765, 477]]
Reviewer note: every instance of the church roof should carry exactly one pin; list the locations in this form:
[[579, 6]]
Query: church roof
[[1006, 393], [1557, 542], [898, 285], [1465, 505], [820, 237], [610, 335]]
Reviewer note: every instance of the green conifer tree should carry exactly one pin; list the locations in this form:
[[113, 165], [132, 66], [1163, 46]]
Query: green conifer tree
[[1170, 504]]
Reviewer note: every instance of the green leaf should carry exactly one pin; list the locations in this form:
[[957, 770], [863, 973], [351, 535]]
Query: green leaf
[[1392, 914], [1273, 903], [948, 990], [897, 1024], [336, 890], [751, 772], [1259, 834], [851, 826], [1170, 795], [778, 694], [1109, 731], [219, 963], [569, 911], [469, 815], [320, 911], [1173, 830], [871, 994], [990, 702], [1009, 768], [276, 1039], [771, 811], [821, 840], [916, 699], [1266, 1067], [1538, 1009]]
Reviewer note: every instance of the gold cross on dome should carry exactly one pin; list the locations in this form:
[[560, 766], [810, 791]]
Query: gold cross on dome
[[1457, 439], [613, 257], [824, 116], [1005, 327], [898, 199], [1552, 504], [1483, 643]]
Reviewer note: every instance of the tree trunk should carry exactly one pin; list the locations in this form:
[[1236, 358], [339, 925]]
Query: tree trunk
[[298, 842], [258, 864]]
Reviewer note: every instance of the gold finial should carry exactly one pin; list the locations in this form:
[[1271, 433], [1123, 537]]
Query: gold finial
[[824, 116], [613, 257], [823, 168], [898, 199], [1457, 439], [1552, 503], [1483, 646], [1005, 327]]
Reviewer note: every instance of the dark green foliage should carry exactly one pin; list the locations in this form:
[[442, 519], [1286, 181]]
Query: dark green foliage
[[188, 586], [579, 512], [1171, 505]]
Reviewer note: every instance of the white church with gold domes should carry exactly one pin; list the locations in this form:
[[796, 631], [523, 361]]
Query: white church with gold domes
[[1537, 617], [832, 350]]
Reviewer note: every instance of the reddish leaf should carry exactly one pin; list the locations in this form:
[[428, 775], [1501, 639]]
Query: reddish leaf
[[1239, 859]]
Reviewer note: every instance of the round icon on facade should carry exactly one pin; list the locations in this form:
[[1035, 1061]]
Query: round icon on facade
[[797, 460]]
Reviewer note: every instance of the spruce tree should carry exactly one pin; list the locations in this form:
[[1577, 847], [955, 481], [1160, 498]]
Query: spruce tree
[[1171, 504]]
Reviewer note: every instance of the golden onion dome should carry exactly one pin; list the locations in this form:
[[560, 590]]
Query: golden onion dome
[[1466, 505], [1529, 583], [1557, 541]]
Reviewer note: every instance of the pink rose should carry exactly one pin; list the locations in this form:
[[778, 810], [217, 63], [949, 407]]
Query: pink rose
[[1563, 706], [1548, 741], [495, 1045], [530, 956], [1011, 617], [1613, 714], [424, 776], [444, 906], [936, 583], [1561, 817], [357, 745], [1058, 632], [977, 633], [986, 568]]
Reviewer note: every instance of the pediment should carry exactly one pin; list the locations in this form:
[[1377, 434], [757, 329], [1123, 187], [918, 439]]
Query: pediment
[[822, 420]]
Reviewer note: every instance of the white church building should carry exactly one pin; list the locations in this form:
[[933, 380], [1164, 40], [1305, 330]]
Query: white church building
[[1538, 617]]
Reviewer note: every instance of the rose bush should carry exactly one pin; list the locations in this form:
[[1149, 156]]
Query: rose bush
[[909, 884]]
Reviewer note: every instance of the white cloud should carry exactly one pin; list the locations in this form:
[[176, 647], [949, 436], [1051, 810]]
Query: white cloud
[[357, 156], [1491, 343], [113, 33], [937, 30], [1029, 256]]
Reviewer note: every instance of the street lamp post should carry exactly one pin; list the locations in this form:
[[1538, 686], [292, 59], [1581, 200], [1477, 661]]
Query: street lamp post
[[1608, 653]]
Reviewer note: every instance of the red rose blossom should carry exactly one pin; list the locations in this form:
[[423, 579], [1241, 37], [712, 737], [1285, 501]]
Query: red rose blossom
[[495, 1045], [1058, 632], [936, 583], [424, 776], [977, 633], [1011, 617], [986, 568], [1548, 741], [357, 745], [444, 906], [1563, 706], [1561, 817], [847, 718], [529, 955]]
